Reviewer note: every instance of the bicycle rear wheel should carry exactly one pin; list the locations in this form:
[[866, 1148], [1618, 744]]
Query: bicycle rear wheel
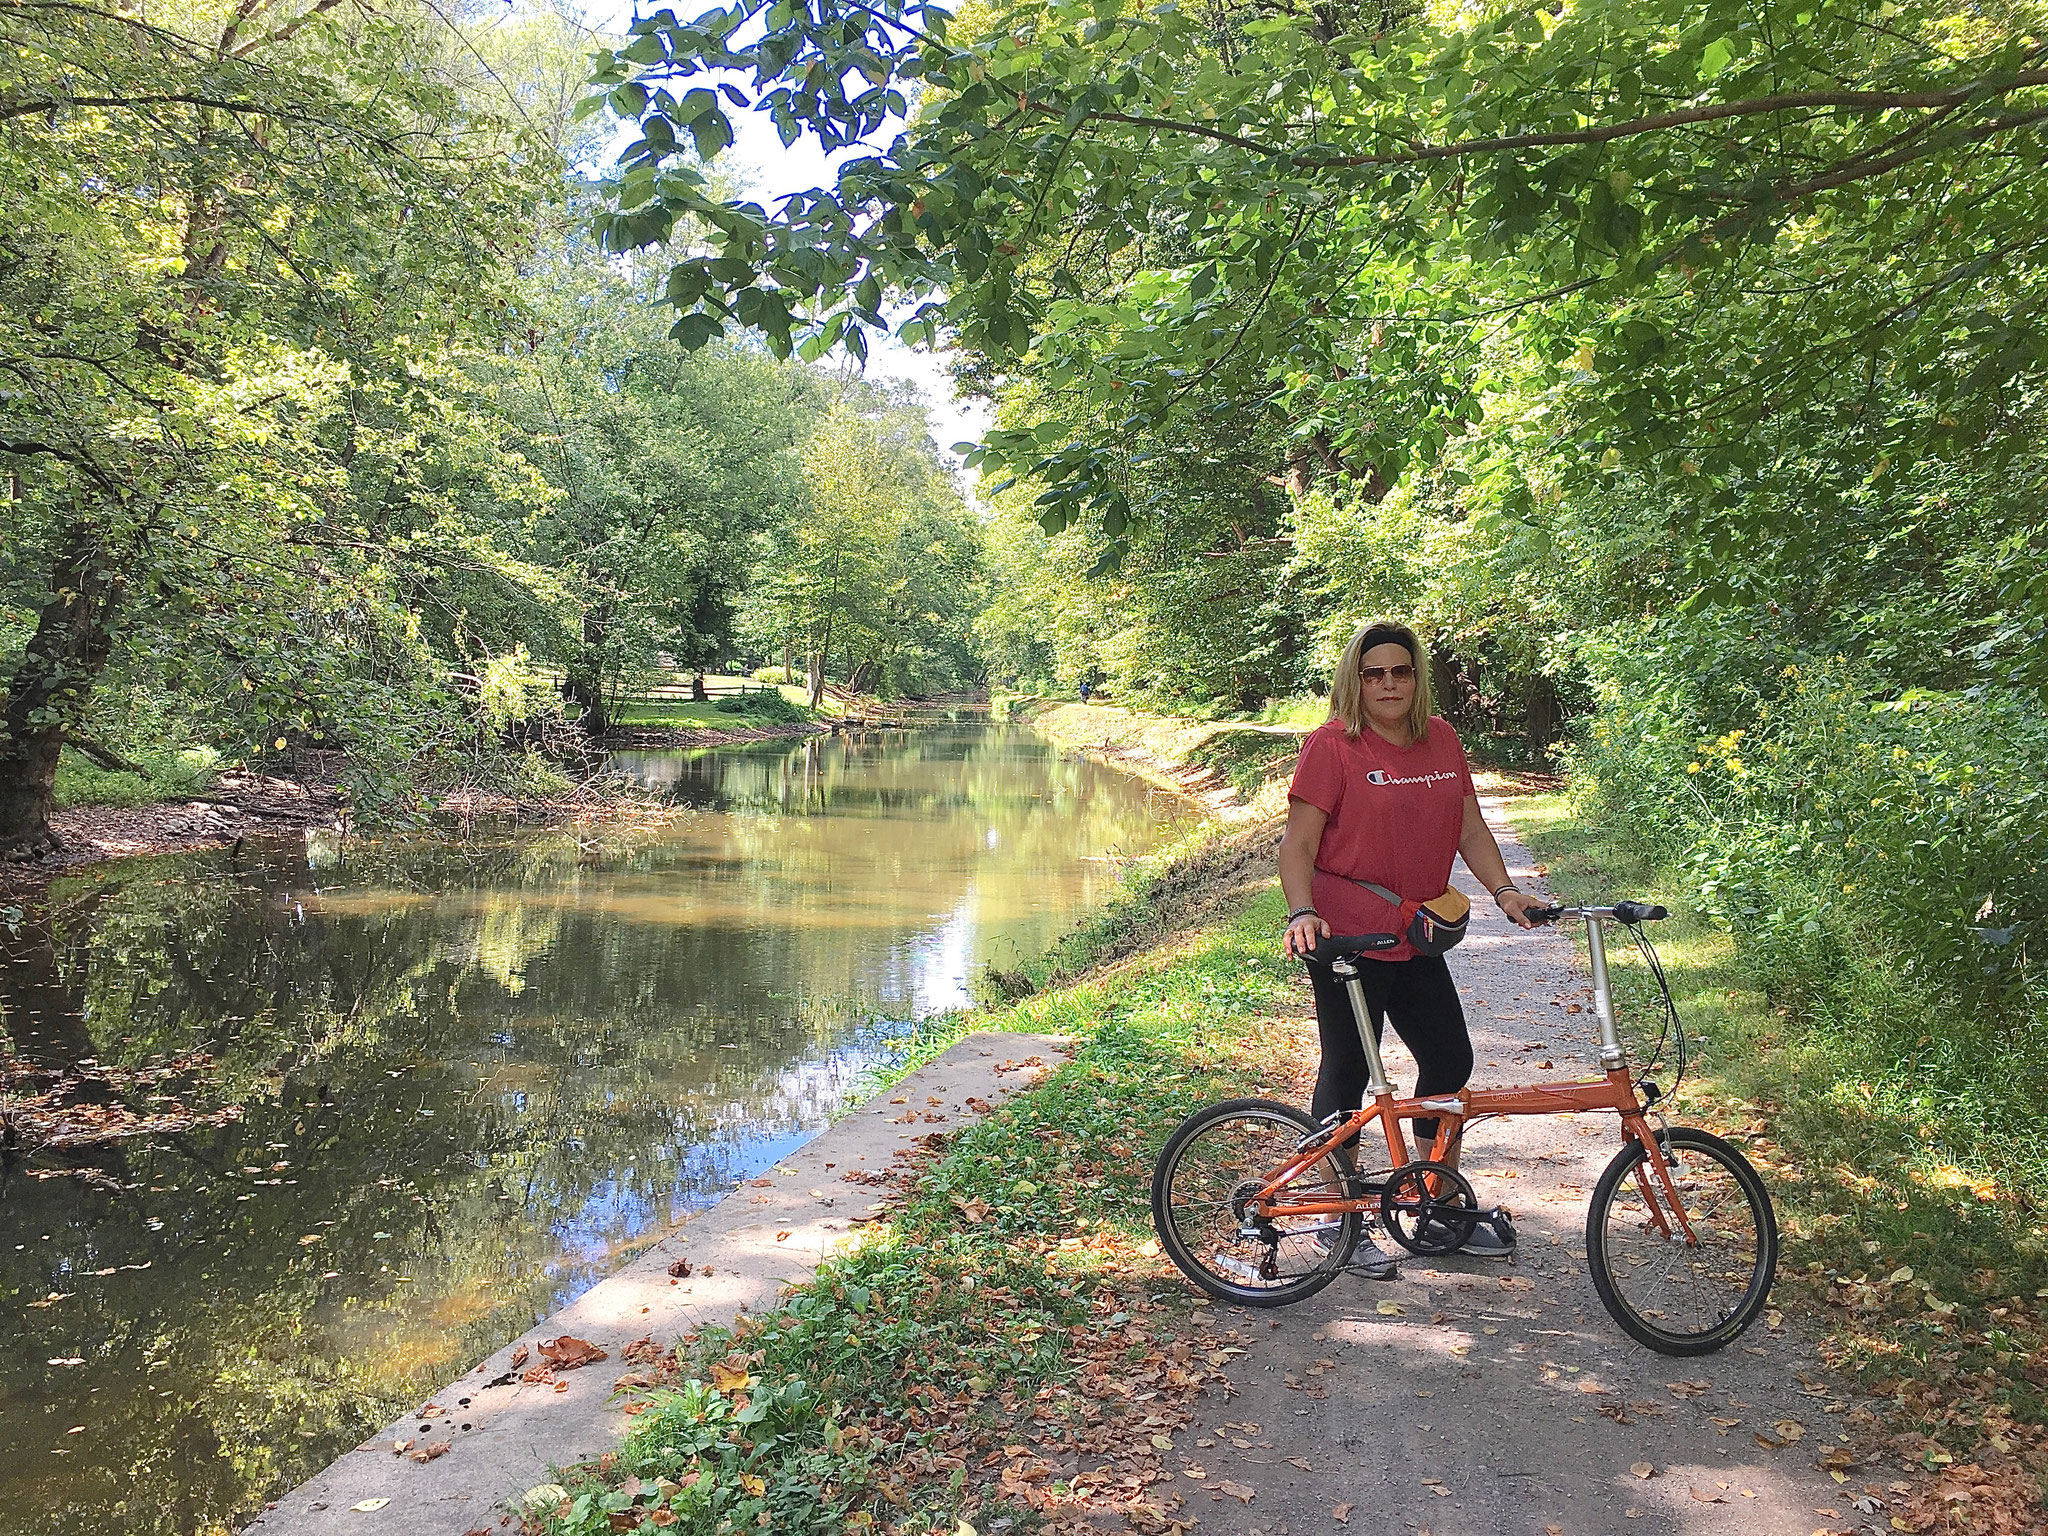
[[1201, 1187], [1679, 1297]]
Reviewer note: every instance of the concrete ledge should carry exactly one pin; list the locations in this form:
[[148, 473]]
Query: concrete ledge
[[506, 1434]]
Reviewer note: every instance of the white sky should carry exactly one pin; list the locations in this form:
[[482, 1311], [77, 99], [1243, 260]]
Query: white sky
[[768, 170]]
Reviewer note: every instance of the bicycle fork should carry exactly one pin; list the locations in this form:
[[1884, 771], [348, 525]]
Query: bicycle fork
[[1655, 1178]]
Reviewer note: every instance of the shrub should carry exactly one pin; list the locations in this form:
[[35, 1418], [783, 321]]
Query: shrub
[[1882, 858]]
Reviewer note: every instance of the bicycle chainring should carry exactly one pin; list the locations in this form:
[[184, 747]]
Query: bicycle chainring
[[1429, 1208]]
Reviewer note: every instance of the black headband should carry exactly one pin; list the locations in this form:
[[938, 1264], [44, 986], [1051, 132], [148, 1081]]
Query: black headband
[[1388, 634]]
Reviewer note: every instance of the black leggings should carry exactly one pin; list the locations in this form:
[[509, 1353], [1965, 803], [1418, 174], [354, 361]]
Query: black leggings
[[1421, 1001]]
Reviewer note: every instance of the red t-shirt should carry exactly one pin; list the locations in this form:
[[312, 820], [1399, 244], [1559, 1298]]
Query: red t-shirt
[[1396, 814]]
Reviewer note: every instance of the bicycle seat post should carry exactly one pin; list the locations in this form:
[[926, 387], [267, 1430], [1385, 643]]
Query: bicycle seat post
[[1611, 1055], [1376, 1084]]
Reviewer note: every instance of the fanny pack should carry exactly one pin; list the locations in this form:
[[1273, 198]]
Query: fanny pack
[[1434, 926]]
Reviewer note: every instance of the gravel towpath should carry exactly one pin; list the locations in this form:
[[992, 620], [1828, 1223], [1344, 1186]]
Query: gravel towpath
[[1487, 1396]]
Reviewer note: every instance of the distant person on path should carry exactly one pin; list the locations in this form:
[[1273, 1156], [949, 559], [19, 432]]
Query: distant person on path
[[1383, 794], [1086, 689]]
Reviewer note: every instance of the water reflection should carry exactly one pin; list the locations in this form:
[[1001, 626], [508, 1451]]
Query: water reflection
[[475, 1076]]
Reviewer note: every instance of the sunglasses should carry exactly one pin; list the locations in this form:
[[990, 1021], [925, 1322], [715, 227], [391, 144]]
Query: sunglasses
[[1400, 674]]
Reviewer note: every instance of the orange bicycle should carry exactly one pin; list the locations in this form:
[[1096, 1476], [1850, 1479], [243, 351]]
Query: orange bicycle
[[1258, 1204]]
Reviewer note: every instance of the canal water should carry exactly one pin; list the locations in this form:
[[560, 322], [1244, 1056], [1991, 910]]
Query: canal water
[[475, 1076]]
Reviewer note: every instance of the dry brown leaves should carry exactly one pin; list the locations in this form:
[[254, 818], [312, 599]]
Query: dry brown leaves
[[569, 1353], [1981, 1501]]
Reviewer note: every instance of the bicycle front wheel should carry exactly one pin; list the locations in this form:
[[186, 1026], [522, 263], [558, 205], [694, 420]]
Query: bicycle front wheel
[[1682, 1297], [1201, 1192]]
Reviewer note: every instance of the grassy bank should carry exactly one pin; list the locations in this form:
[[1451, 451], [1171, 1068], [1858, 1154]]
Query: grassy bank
[[1184, 752], [155, 775], [1013, 1315], [1931, 1280], [739, 711]]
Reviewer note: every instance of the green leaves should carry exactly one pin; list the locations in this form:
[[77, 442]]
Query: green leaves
[[1535, 172]]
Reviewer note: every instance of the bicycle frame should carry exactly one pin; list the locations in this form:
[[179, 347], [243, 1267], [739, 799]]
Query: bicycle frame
[[1615, 1090]]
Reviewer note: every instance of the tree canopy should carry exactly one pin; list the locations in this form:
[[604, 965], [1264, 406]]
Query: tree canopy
[[1714, 240]]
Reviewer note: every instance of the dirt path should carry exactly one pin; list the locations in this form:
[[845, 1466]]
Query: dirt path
[[1482, 1396]]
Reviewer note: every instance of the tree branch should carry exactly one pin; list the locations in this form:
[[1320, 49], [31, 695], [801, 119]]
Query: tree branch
[[1417, 152], [106, 757]]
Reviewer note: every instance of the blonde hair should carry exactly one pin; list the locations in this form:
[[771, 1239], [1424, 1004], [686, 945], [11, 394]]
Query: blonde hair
[[1347, 700]]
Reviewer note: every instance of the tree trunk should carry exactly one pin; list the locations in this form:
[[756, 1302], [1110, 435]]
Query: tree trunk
[[788, 659], [818, 660], [583, 684], [1543, 711], [1443, 685], [50, 689]]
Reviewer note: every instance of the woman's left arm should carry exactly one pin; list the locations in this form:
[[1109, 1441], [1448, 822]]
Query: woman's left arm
[[1482, 857]]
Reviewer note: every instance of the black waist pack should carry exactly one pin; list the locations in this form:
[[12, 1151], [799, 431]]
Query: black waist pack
[[1435, 926]]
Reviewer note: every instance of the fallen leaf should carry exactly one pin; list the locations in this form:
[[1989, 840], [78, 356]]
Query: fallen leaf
[[755, 1485], [1686, 1388], [1237, 1491], [519, 1353], [1390, 1309], [1706, 1498], [782, 1237], [1789, 1429], [728, 1377], [1299, 1463], [680, 1270], [1642, 1469], [1342, 1513], [433, 1450], [569, 1353], [368, 1506]]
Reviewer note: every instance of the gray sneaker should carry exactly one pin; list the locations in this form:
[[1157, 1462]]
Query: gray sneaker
[[1372, 1261], [1493, 1238], [1368, 1258]]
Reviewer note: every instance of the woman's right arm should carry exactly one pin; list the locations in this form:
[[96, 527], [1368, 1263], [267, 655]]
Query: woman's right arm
[[1298, 847]]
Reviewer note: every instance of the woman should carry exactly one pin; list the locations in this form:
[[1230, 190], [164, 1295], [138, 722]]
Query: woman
[[1383, 794]]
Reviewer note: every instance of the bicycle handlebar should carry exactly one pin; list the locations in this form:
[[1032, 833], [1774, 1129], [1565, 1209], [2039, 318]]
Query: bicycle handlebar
[[1627, 912]]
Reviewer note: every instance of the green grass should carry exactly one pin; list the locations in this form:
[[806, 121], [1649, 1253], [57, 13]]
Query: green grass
[[1021, 1260], [169, 774], [782, 706], [1856, 1161]]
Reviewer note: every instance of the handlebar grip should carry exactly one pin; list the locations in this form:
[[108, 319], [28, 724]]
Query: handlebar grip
[[1543, 914], [1633, 912]]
